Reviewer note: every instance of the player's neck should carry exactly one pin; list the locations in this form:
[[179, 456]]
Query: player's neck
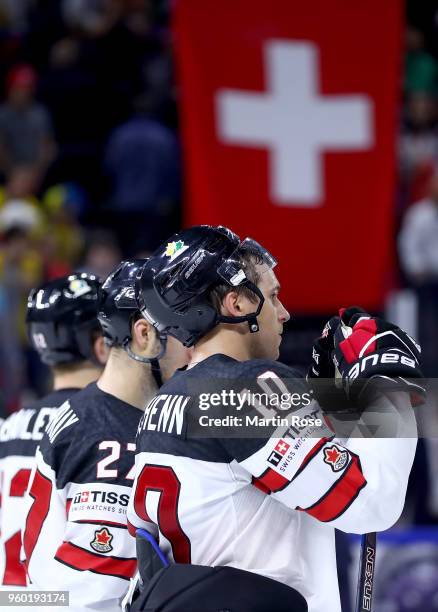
[[128, 380], [76, 379], [224, 341]]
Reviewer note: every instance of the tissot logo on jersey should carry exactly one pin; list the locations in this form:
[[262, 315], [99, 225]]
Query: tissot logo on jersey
[[275, 458], [105, 497], [282, 447], [278, 453]]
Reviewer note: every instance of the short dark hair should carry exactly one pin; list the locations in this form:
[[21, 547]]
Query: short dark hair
[[249, 258]]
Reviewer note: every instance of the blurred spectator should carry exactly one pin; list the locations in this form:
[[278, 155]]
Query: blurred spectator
[[418, 241], [14, 13], [94, 71], [19, 214], [65, 205], [93, 17], [418, 248], [418, 145], [21, 268], [21, 182], [26, 138], [421, 68], [142, 160], [102, 253]]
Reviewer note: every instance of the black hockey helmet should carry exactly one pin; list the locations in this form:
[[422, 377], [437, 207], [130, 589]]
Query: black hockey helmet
[[117, 304], [173, 288], [118, 309], [61, 316]]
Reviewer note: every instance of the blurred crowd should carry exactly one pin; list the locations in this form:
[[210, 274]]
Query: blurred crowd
[[89, 158], [417, 229], [417, 201]]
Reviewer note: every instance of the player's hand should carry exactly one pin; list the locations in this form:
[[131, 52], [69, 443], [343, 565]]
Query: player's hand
[[371, 349], [321, 374]]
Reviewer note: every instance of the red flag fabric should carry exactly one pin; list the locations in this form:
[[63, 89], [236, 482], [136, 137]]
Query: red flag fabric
[[289, 118]]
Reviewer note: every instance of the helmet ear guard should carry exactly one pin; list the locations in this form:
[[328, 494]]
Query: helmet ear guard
[[250, 318]]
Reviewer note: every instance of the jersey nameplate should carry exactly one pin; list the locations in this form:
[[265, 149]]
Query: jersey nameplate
[[24, 426], [165, 413]]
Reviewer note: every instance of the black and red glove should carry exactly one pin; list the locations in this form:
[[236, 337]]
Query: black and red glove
[[371, 349], [321, 374]]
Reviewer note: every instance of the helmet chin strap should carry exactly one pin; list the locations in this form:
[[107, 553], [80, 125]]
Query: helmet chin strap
[[156, 372], [154, 361], [250, 318]]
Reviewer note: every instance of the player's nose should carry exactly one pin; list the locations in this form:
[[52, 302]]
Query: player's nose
[[283, 314]]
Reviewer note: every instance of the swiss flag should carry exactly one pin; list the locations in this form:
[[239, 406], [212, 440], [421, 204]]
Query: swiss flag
[[282, 447], [288, 121]]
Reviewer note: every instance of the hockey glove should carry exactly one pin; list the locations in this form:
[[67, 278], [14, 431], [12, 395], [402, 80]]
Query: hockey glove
[[371, 349], [321, 374]]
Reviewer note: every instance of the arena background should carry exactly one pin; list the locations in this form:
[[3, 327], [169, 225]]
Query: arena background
[[311, 127]]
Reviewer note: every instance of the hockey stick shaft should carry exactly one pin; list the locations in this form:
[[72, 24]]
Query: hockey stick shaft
[[366, 572]]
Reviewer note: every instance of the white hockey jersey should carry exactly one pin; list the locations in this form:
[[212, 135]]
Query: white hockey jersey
[[20, 434], [76, 536], [267, 505]]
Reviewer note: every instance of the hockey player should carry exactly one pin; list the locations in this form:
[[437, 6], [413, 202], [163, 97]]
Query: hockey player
[[264, 504], [64, 330], [75, 537]]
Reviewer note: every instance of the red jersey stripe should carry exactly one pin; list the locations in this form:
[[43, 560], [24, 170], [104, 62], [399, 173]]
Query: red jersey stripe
[[341, 495], [310, 455], [270, 481], [101, 522], [131, 529], [81, 559]]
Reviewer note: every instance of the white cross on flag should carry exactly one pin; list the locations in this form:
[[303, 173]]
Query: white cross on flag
[[294, 122], [288, 120], [282, 447]]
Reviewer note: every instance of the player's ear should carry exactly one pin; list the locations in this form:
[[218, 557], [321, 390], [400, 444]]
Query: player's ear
[[144, 338], [101, 349], [234, 304]]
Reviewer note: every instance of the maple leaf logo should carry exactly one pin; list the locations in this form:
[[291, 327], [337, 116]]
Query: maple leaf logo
[[102, 540], [335, 458], [332, 454], [173, 249], [103, 537]]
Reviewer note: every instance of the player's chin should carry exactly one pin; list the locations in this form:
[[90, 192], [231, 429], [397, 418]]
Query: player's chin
[[279, 341], [274, 353]]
